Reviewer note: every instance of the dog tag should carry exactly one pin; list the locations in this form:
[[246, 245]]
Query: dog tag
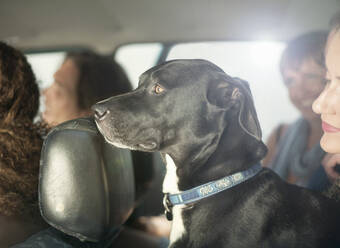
[[168, 215]]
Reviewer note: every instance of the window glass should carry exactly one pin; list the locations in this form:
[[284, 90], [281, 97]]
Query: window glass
[[256, 62], [137, 58], [44, 65]]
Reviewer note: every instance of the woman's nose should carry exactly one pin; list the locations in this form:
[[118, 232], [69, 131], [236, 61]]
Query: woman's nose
[[317, 105], [322, 104]]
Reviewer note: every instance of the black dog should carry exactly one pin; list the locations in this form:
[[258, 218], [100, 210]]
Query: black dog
[[204, 123]]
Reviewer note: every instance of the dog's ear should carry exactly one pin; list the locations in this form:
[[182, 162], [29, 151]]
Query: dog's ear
[[234, 98], [234, 94], [221, 93], [247, 117]]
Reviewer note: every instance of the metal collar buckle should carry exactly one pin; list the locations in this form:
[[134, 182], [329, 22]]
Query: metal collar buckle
[[167, 206]]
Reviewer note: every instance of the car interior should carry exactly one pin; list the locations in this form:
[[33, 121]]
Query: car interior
[[244, 38]]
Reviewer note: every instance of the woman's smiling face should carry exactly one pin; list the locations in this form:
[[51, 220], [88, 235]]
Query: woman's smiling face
[[328, 103], [305, 82]]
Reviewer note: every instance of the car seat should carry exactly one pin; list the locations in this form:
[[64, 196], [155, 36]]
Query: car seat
[[86, 187]]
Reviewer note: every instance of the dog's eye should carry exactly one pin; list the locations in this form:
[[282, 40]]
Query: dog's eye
[[158, 89]]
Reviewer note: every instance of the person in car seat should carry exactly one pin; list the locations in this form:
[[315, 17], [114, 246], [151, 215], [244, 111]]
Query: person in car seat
[[20, 144], [294, 151], [328, 103], [83, 79]]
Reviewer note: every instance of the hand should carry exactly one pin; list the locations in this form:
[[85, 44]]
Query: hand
[[329, 162], [156, 225]]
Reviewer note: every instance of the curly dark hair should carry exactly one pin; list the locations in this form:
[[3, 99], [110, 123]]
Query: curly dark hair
[[20, 139], [100, 77], [19, 92]]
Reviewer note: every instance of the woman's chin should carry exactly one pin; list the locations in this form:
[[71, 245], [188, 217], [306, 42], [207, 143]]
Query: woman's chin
[[47, 118], [330, 142]]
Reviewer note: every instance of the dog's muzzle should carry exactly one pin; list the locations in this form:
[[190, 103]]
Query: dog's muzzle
[[100, 112]]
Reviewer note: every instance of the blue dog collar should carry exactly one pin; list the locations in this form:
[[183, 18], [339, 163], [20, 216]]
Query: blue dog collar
[[211, 188]]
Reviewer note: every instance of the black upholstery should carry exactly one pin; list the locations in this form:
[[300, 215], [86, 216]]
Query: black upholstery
[[86, 185]]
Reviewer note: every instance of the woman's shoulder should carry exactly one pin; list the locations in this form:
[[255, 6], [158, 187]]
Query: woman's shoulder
[[273, 141]]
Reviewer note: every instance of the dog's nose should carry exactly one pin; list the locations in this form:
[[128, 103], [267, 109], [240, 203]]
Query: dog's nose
[[100, 111]]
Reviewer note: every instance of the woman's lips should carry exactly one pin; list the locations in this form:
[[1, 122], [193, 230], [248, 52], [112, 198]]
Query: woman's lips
[[329, 128]]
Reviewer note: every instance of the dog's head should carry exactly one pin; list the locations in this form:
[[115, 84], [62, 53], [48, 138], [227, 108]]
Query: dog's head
[[181, 107]]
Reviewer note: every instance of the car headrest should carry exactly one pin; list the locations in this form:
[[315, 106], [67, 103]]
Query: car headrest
[[86, 186]]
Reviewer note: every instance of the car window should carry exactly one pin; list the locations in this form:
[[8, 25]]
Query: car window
[[255, 61], [137, 58], [258, 63], [44, 65]]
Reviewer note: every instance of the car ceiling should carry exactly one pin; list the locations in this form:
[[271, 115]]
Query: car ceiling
[[105, 24]]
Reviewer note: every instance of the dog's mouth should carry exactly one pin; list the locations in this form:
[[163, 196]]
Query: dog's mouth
[[118, 139], [118, 142], [148, 146]]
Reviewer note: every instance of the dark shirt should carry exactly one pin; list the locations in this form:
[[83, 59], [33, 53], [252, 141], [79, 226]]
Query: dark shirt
[[52, 238], [319, 180]]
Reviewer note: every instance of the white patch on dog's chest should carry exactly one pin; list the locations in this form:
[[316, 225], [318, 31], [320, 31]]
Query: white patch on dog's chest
[[170, 185]]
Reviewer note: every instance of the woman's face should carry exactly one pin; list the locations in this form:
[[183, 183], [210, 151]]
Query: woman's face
[[328, 103], [61, 97], [305, 83]]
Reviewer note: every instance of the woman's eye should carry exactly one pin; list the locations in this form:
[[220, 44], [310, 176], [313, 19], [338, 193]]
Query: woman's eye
[[158, 89]]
